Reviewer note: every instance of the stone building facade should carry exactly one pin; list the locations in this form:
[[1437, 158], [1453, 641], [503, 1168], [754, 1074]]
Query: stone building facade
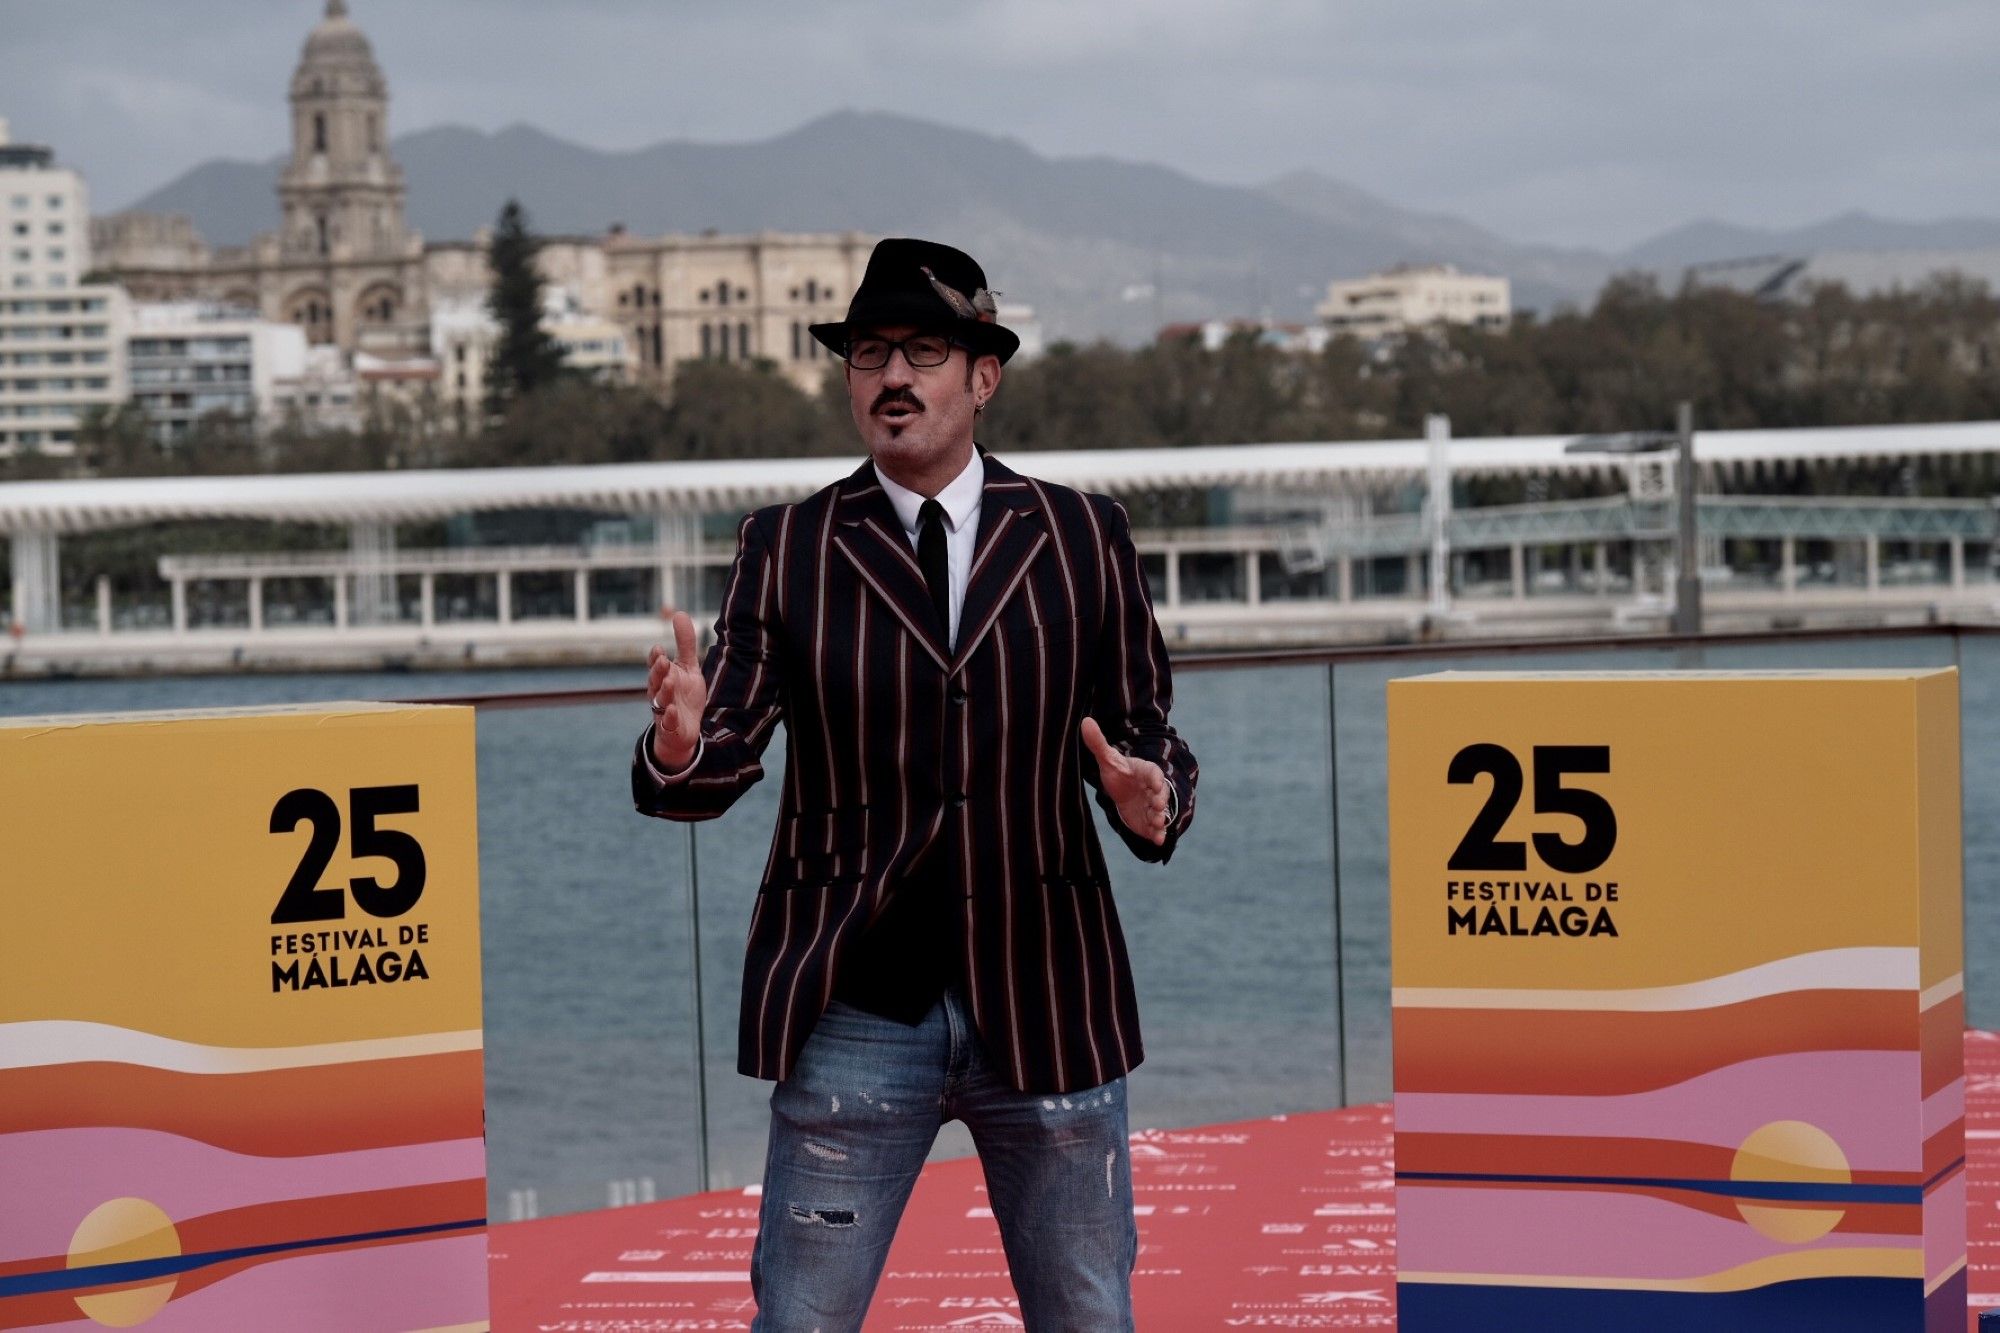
[[346, 267], [732, 298]]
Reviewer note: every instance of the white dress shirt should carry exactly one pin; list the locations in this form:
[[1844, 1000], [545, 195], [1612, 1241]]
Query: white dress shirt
[[960, 498]]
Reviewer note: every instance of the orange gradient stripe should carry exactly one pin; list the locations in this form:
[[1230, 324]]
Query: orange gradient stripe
[[273, 1113], [1581, 1052]]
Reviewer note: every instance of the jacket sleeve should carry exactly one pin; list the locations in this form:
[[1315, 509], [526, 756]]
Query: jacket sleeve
[[745, 697], [1134, 691]]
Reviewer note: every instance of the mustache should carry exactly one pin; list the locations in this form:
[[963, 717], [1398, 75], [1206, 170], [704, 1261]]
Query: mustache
[[904, 396]]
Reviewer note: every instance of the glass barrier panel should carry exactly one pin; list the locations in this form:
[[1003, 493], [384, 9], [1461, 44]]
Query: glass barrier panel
[[590, 1085], [1979, 783], [1232, 940]]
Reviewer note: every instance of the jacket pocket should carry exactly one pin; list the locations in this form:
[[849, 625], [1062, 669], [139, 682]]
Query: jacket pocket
[[1060, 629], [822, 847]]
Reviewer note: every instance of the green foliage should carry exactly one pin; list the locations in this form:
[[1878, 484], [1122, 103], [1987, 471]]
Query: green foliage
[[524, 358], [737, 410], [570, 420], [1932, 354]]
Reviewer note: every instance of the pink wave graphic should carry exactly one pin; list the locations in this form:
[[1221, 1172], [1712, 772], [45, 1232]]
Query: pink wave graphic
[[1944, 1224], [68, 1172], [1585, 1233], [416, 1284], [1944, 1107], [1867, 1100]]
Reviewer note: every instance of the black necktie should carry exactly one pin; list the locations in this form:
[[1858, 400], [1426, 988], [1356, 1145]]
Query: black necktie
[[931, 558]]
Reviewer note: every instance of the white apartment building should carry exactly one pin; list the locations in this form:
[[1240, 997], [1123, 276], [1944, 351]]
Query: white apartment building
[[187, 359], [1411, 296], [324, 395], [463, 333], [61, 354], [44, 219], [61, 343]]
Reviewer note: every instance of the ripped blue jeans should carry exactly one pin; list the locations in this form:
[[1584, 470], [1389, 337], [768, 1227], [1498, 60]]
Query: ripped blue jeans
[[850, 1130]]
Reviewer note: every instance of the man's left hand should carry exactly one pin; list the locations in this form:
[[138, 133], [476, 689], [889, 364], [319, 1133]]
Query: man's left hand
[[1135, 785]]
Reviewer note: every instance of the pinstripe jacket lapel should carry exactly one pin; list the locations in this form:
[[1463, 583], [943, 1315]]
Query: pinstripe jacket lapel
[[868, 533], [1011, 534]]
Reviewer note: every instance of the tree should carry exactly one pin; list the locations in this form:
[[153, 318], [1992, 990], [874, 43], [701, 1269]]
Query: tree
[[524, 356], [117, 441], [737, 410], [572, 420]]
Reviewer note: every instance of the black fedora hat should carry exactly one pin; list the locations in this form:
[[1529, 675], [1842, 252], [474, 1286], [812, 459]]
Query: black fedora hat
[[927, 285]]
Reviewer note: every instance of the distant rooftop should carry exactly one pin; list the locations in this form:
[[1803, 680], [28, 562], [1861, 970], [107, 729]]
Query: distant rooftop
[[30, 156]]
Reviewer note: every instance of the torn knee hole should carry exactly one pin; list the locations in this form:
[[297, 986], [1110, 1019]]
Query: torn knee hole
[[825, 1151], [823, 1217]]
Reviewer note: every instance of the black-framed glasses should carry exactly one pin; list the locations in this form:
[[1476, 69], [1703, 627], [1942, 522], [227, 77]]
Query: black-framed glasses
[[921, 350]]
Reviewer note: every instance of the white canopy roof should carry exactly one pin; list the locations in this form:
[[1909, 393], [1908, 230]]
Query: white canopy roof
[[736, 485]]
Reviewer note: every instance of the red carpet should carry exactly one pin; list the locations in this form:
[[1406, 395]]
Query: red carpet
[[1279, 1223]]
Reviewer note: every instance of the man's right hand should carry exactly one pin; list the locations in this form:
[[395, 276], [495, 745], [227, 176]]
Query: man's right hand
[[678, 694]]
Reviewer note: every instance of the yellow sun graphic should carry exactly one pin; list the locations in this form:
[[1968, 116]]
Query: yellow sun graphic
[[1791, 1151], [122, 1231]]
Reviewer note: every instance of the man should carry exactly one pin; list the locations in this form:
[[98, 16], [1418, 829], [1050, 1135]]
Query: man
[[955, 649]]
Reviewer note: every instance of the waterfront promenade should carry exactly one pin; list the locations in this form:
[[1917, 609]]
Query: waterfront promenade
[[1301, 543]]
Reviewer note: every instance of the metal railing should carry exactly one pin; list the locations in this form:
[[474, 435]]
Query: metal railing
[[613, 943]]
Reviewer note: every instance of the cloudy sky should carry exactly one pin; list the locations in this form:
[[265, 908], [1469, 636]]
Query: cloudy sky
[[1597, 122]]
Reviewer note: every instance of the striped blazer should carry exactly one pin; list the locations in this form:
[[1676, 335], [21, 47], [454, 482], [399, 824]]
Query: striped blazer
[[896, 742]]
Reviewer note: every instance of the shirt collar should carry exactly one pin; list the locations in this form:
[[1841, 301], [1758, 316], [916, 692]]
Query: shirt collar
[[960, 497]]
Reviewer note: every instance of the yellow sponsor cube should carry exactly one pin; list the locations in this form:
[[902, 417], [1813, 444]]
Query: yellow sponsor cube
[[240, 1037], [1678, 1000]]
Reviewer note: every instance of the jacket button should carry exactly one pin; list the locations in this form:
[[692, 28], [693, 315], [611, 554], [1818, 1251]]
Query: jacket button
[[957, 799], [957, 695]]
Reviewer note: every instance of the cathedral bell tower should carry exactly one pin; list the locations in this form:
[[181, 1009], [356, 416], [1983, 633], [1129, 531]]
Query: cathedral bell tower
[[341, 195]]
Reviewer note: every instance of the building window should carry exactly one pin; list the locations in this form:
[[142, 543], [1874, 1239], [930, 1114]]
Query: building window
[[798, 343], [742, 293], [743, 341], [319, 131], [319, 222], [707, 340], [722, 293]]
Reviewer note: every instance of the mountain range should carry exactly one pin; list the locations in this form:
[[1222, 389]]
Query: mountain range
[[1100, 247]]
